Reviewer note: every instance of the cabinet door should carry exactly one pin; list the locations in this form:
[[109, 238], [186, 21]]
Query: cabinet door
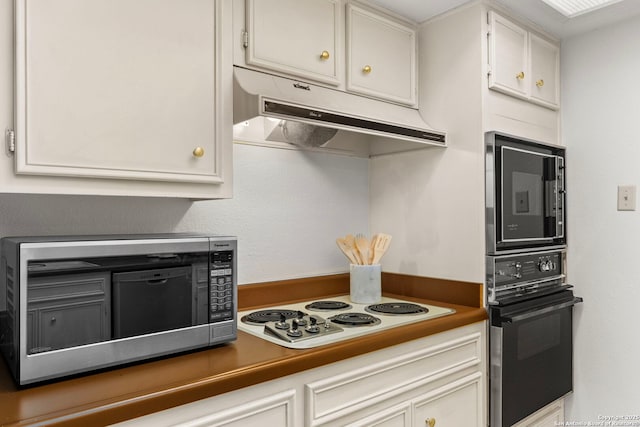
[[381, 56], [123, 89], [455, 404], [508, 57], [300, 38], [545, 59]]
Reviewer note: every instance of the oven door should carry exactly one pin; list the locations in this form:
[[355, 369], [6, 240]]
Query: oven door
[[531, 355]]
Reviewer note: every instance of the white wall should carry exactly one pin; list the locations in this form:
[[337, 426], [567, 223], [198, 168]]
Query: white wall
[[432, 201], [601, 128], [287, 210]]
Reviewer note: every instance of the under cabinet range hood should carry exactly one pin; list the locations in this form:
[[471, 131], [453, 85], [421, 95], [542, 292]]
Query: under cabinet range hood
[[272, 110]]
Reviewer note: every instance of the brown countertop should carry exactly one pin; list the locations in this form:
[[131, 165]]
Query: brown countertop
[[127, 392]]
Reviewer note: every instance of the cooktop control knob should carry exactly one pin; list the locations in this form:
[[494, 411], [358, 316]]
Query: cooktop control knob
[[300, 318], [294, 331], [313, 327], [282, 324]]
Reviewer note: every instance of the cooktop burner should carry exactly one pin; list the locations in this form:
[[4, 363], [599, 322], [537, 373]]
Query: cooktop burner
[[397, 308], [272, 315], [327, 306], [354, 319]]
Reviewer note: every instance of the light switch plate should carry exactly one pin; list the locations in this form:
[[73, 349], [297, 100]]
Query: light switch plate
[[626, 197]]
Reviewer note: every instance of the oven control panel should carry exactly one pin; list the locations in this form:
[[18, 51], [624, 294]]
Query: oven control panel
[[526, 267], [511, 274]]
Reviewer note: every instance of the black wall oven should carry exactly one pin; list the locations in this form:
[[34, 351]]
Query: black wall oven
[[525, 194], [531, 348]]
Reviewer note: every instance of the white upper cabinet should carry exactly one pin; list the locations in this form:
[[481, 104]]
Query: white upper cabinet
[[508, 56], [300, 38], [381, 56], [127, 90], [522, 64], [545, 60]]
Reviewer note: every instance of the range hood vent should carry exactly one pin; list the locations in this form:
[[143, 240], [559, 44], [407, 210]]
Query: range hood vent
[[310, 116]]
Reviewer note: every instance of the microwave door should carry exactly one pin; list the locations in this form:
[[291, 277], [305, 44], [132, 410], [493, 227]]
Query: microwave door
[[529, 202]]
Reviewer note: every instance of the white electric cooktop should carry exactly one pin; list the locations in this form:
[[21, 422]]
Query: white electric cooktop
[[314, 323]]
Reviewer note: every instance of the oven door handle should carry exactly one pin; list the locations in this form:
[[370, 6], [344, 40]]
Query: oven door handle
[[537, 312]]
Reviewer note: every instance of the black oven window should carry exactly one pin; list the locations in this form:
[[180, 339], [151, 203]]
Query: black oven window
[[538, 336]]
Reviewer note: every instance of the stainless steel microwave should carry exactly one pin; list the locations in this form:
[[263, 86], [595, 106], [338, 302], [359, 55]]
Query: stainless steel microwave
[[74, 304], [525, 194]]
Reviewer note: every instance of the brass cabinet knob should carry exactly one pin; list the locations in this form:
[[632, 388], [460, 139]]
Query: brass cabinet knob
[[324, 55], [366, 69], [520, 75], [431, 422], [198, 152], [540, 83]]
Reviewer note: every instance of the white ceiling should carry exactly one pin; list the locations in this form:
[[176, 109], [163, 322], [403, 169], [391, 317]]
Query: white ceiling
[[534, 10]]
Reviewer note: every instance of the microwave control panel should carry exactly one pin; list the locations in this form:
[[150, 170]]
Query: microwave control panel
[[221, 291]]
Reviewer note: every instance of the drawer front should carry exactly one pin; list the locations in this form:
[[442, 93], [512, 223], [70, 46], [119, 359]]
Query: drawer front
[[332, 398]]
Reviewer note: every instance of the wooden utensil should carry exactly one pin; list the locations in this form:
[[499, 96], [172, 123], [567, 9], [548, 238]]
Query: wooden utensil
[[382, 244], [347, 250], [362, 244]]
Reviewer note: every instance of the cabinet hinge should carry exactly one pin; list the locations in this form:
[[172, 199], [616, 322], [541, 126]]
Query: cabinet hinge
[[245, 39], [10, 138]]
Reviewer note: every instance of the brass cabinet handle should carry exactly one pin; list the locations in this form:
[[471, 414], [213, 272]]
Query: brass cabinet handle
[[431, 422], [198, 152], [540, 83], [520, 75], [324, 55], [366, 69]]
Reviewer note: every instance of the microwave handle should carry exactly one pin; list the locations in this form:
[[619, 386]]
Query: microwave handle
[[537, 312], [560, 197]]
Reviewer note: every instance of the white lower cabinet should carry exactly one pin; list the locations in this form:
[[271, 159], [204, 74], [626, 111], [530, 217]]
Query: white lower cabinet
[[437, 380], [455, 404]]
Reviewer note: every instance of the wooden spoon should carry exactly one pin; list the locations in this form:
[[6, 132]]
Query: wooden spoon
[[362, 244]]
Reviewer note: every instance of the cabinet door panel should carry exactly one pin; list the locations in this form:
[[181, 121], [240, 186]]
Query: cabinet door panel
[[117, 89], [397, 416], [508, 57], [545, 58], [382, 57], [290, 36], [277, 409], [455, 404]]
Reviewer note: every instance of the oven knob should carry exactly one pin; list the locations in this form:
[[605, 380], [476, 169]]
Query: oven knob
[[543, 266]]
